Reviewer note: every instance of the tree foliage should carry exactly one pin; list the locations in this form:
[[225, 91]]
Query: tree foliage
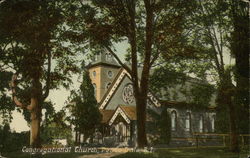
[[56, 127], [215, 30], [148, 27], [160, 128], [175, 84], [85, 115], [32, 47], [12, 141], [6, 105]]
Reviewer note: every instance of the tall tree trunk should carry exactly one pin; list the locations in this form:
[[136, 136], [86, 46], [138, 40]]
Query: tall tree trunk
[[76, 136], [240, 49], [35, 126], [85, 137], [36, 112], [35, 107], [227, 93], [79, 138], [141, 121], [234, 141], [141, 96]]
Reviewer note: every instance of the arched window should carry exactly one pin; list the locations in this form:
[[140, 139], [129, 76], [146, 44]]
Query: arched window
[[108, 57], [212, 123], [188, 121], [201, 124], [173, 120], [94, 85], [94, 74], [113, 130], [122, 128], [96, 57]]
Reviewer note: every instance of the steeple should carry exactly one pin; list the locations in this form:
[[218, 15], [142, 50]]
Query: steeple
[[104, 58], [102, 70]]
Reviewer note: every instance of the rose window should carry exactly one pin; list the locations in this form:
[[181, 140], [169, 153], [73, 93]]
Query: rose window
[[128, 94]]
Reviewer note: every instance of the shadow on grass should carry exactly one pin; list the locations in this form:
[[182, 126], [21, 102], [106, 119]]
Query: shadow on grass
[[186, 153], [136, 155], [214, 152], [50, 155]]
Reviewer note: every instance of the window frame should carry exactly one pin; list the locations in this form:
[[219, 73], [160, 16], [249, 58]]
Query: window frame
[[94, 74], [188, 122], [173, 114], [108, 56], [201, 124], [112, 74], [213, 123], [95, 89]]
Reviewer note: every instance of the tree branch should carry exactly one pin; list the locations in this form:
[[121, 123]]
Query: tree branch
[[212, 43], [14, 97], [122, 5], [5, 47], [218, 48], [214, 38], [6, 66], [118, 60], [46, 94], [215, 54], [149, 39], [155, 57], [132, 40], [221, 43]]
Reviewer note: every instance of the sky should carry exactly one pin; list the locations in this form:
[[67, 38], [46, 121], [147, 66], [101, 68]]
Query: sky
[[58, 97]]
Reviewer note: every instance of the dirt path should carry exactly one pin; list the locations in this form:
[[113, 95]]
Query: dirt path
[[104, 155]]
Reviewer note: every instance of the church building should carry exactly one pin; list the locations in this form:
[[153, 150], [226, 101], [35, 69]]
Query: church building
[[114, 94]]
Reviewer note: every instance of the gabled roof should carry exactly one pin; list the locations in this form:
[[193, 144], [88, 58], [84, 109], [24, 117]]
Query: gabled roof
[[106, 115], [130, 111], [115, 84], [119, 112], [112, 88]]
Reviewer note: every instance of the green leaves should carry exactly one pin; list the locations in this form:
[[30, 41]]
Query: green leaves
[[31, 31], [6, 105], [33, 43], [160, 128], [83, 106]]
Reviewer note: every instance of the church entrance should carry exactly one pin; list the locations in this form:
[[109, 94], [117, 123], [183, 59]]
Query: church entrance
[[122, 130]]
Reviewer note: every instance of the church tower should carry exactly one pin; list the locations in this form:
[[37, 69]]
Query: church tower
[[102, 71]]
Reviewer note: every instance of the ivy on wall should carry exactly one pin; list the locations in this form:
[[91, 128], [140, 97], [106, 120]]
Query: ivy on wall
[[159, 128]]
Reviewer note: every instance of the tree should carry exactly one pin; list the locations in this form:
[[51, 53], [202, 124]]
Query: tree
[[216, 31], [6, 106], [4, 134], [31, 43], [56, 127], [160, 128], [239, 45], [179, 86], [144, 25], [84, 109], [11, 140]]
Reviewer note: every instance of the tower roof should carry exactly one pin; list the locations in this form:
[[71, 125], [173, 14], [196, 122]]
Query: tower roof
[[104, 58]]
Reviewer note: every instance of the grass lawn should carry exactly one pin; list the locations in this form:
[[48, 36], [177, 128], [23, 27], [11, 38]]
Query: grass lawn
[[208, 152], [187, 153], [50, 155]]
